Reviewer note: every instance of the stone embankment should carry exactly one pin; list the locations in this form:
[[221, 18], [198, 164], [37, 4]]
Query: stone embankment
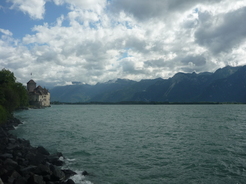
[[21, 163]]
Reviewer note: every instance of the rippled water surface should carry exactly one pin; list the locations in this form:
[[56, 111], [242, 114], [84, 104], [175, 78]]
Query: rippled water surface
[[145, 144]]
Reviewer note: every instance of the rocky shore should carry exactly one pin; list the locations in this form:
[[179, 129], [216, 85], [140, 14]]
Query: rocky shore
[[21, 163]]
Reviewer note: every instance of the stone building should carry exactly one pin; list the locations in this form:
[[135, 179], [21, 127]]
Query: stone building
[[38, 96]]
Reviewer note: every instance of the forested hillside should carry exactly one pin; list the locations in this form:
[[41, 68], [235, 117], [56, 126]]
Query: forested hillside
[[12, 95]]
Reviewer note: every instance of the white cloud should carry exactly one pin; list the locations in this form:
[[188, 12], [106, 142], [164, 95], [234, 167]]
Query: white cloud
[[128, 39], [35, 8], [6, 32], [92, 5]]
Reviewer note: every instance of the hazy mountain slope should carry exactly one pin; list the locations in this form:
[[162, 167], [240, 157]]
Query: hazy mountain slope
[[185, 87], [224, 85], [229, 89], [125, 91], [71, 93]]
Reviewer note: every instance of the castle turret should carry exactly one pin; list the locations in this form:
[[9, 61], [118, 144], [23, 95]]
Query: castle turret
[[31, 85]]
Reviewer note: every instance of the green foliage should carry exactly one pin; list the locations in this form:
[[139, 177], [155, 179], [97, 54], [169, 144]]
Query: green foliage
[[3, 115], [22, 94], [6, 77], [12, 94]]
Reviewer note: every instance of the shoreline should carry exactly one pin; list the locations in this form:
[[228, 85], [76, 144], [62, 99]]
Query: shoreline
[[21, 163]]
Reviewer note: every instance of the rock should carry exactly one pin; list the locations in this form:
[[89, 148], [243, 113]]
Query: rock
[[49, 182], [35, 158], [10, 165], [6, 155], [20, 181], [2, 170], [69, 181], [2, 133], [42, 150], [24, 143], [12, 140], [57, 174], [54, 159], [36, 179], [47, 178], [15, 175], [20, 163], [43, 169], [68, 173], [13, 147], [85, 173], [27, 170], [23, 162]]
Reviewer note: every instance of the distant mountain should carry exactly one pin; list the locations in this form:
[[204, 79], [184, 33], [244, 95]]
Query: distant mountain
[[227, 84]]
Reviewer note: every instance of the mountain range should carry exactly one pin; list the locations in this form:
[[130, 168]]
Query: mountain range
[[226, 84]]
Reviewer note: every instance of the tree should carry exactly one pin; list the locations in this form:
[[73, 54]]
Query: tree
[[6, 77], [12, 94]]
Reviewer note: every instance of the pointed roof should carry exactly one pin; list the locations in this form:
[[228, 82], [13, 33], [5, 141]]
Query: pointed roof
[[41, 91], [31, 82]]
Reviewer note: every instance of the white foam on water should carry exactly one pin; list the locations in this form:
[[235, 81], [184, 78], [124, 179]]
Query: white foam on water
[[68, 161], [61, 158], [22, 123], [79, 178], [71, 160]]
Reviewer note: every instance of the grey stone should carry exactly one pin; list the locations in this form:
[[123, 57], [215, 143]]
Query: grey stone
[[69, 181], [42, 150], [6, 155], [57, 174], [1, 182], [10, 164], [27, 170], [35, 179], [43, 169]]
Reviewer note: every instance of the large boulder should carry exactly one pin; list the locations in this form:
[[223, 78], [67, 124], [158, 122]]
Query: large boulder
[[57, 174], [36, 179], [42, 150], [10, 164]]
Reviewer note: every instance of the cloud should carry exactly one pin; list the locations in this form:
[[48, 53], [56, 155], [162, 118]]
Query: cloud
[[35, 8], [223, 32], [6, 32], [159, 9], [140, 39], [195, 60], [96, 6]]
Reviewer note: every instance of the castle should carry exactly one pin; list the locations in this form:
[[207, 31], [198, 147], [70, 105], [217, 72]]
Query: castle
[[38, 96]]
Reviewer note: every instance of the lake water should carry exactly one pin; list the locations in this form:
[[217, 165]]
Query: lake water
[[144, 144]]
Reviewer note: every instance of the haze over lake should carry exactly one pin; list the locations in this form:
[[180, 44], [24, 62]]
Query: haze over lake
[[144, 143]]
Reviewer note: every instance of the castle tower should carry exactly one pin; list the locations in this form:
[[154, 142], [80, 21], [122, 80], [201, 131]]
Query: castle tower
[[31, 85]]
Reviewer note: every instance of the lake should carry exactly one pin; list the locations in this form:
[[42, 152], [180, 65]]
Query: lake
[[145, 144]]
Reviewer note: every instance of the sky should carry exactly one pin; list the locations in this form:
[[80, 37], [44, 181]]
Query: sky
[[55, 42]]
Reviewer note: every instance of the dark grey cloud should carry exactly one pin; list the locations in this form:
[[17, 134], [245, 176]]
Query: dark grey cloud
[[128, 67], [146, 9], [196, 60], [135, 43], [222, 33], [155, 63]]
